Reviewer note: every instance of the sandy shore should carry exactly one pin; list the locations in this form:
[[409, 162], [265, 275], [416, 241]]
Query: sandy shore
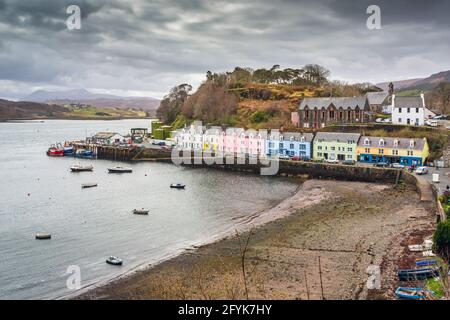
[[349, 225]]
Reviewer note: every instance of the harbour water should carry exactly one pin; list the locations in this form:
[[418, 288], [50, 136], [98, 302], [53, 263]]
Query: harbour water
[[40, 194]]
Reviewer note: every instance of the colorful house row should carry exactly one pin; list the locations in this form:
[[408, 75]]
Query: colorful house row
[[322, 146]]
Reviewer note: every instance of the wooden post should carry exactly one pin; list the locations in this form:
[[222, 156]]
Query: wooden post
[[320, 275], [307, 289]]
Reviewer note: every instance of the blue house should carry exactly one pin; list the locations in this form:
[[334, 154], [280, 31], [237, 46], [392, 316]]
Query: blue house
[[289, 144]]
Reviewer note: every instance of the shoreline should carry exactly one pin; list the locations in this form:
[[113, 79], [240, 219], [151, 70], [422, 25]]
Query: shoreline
[[281, 254], [73, 118]]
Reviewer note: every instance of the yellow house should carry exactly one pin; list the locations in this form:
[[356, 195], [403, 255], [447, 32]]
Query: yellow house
[[407, 151]]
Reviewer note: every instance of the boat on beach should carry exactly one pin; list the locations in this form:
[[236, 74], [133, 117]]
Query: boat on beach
[[81, 168], [88, 185], [426, 262], [177, 186], [140, 211], [120, 170], [114, 261], [413, 293], [43, 236], [418, 274]]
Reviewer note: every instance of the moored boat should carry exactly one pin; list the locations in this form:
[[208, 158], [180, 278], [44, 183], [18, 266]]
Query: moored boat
[[68, 150], [426, 262], [120, 170], [55, 151], [412, 293], [43, 236], [177, 185], [88, 185], [140, 211], [114, 261], [80, 168]]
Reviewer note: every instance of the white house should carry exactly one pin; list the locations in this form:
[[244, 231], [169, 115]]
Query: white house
[[107, 138], [190, 138], [410, 110]]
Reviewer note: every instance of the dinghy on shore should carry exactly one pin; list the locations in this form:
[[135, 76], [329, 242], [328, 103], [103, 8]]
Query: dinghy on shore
[[413, 293], [418, 274]]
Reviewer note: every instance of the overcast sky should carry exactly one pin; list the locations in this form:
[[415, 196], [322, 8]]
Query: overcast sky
[[144, 48]]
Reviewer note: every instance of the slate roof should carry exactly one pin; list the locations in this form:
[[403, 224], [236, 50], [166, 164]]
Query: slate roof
[[408, 102], [345, 103], [377, 98], [403, 143], [336, 136], [297, 136], [104, 135]]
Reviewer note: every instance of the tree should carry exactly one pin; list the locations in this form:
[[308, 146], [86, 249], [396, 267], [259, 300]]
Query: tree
[[171, 105], [316, 74], [441, 240]]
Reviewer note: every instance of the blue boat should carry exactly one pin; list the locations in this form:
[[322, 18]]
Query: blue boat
[[412, 293], [426, 262], [418, 274], [68, 151]]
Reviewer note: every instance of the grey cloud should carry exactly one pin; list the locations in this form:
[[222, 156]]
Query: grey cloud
[[150, 46]]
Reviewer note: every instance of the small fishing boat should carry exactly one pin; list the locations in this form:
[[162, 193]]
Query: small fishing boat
[[417, 274], [412, 293], [55, 151], [120, 170], [416, 248], [177, 185], [114, 261], [88, 185], [141, 211], [68, 150], [80, 168], [43, 236], [425, 262]]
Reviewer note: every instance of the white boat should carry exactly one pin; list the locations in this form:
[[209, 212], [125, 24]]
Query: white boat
[[177, 185], [114, 261], [80, 168], [43, 236], [120, 170]]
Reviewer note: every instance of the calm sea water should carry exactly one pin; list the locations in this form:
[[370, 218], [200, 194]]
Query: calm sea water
[[40, 194]]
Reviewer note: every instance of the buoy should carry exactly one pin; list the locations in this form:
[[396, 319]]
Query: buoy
[[28, 194]]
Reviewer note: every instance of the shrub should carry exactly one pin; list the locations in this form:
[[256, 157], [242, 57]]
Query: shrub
[[441, 240]]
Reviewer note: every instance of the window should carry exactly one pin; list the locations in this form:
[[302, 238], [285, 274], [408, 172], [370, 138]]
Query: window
[[395, 152], [412, 143], [350, 149], [281, 146], [333, 148], [319, 147], [417, 110], [408, 110], [410, 153], [399, 120], [319, 154], [306, 125], [302, 147], [366, 142], [380, 151], [367, 150], [395, 143], [291, 146], [381, 143], [399, 110]]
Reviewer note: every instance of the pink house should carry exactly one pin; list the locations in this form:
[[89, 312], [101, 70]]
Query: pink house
[[239, 141]]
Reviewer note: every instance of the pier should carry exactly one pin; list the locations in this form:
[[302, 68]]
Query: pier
[[105, 152]]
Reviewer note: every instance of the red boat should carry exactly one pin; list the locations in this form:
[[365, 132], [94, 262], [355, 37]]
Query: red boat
[[55, 151]]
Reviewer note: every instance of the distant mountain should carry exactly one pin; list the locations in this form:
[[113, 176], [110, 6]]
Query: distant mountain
[[398, 84], [94, 99], [424, 84], [10, 110]]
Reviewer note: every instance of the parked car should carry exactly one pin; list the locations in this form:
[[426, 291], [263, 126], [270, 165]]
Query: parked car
[[283, 157], [381, 165], [331, 161], [379, 120], [349, 162], [398, 166], [421, 170], [387, 120]]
